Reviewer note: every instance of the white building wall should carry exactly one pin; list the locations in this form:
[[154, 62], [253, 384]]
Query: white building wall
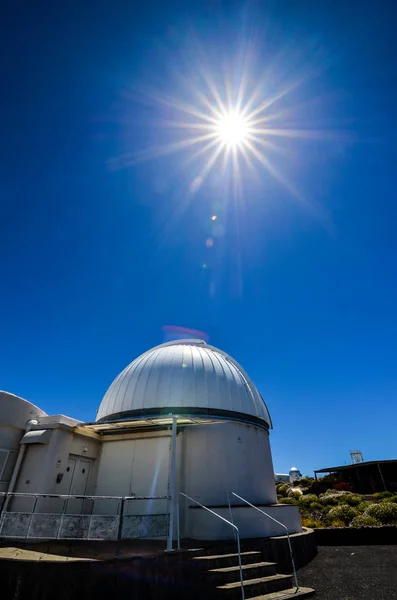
[[136, 467], [44, 463], [251, 523], [229, 457], [218, 459], [9, 447]]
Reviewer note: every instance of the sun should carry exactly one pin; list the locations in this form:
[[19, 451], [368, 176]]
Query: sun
[[226, 121], [233, 129]]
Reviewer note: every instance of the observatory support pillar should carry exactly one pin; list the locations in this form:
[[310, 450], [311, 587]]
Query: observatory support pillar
[[172, 484]]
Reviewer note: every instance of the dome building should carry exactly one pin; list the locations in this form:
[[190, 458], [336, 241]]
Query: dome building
[[179, 429], [15, 416], [294, 474]]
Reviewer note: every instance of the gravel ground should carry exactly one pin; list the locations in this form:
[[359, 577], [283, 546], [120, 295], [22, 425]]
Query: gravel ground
[[352, 573]]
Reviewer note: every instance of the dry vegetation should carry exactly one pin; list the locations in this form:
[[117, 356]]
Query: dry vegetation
[[338, 507]]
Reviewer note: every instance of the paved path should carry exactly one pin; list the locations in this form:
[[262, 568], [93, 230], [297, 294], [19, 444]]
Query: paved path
[[352, 573], [74, 550]]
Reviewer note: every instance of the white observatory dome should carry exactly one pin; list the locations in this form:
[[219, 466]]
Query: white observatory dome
[[184, 377], [16, 412]]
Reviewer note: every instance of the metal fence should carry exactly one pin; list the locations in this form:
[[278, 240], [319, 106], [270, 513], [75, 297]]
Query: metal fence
[[54, 516]]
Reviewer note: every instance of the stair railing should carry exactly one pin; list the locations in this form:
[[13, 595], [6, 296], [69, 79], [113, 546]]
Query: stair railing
[[235, 528], [273, 519]]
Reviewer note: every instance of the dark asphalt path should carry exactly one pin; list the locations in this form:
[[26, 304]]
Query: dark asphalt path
[[352, 573]]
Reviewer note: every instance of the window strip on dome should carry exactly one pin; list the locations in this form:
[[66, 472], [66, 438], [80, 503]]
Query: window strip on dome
[[218, 372], [127, 375], [108, 402], [131, 389], [205, 401], [152, 386], [166, 398], [150, 375], [235, 402], [199, 380], [227, 376], [176, 396], [118, 400]]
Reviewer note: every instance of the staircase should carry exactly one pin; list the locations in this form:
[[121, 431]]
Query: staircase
[[261, 580]]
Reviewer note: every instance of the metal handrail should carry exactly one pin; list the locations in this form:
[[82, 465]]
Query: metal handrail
[[273, 519], [74, 496], [236, 530], [80, 496], [6, 497]]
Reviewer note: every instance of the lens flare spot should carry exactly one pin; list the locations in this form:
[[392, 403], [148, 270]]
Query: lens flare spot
[[209, 242]]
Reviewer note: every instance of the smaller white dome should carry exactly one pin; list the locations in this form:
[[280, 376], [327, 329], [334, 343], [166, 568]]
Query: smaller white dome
[[16, 412]]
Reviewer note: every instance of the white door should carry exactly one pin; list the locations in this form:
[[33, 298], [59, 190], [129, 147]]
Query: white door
[[66, 483], [137, 467], [149, 477], [78, 478]]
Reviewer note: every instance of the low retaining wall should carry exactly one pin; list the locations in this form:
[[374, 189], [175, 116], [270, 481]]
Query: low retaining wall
[[201, 525], [304, 548], [361, 536], [165, 576]]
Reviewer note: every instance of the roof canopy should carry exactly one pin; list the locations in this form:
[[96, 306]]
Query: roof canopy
[[355, 466]]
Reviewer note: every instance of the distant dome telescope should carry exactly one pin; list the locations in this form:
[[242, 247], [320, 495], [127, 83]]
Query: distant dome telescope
[[294, 474]]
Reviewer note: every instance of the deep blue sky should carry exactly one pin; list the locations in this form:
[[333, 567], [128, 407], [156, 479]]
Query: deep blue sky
[[96, 258]]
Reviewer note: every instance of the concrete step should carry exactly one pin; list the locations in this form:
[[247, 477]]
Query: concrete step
[[250, 571], [287, 594], [217, 561], [256, 587]]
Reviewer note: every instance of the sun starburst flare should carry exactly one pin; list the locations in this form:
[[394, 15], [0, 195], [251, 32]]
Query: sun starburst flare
[[232, 129], [237, 129]]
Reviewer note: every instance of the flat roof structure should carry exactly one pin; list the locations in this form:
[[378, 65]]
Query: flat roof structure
[[370, 476], [356, 465]]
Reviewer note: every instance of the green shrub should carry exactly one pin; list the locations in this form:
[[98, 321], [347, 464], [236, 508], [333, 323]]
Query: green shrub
[[318, 506], [393, 499], [362, 507], [282, 489], [306, 482], [352, 499], [307, 500], [343, 512], [332, 499], [329, 491], [296, 494], [365, 521], [337, 523], [380, 495], [384, 512], [311, 523], [333, 492], [287, 501]]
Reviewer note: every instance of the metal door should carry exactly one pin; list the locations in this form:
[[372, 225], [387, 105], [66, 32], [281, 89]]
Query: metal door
[[66, 483], [149, 475], [80, 472]]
